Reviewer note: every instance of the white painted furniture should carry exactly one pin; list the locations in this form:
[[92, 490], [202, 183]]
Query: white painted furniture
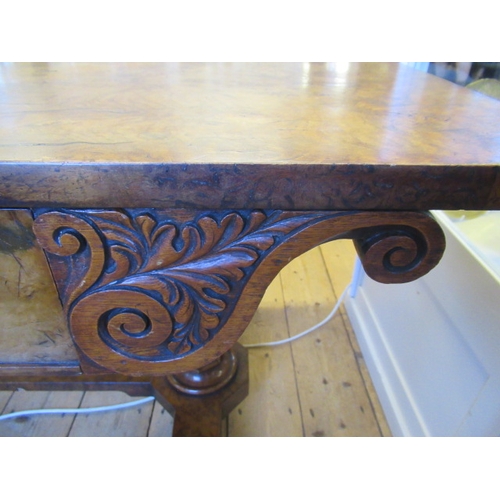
[[433, 346]]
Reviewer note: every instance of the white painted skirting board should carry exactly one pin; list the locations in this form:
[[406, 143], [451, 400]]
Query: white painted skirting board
[[433, 346], [401, 415]]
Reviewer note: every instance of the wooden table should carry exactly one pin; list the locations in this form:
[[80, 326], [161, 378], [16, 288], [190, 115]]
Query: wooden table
[[166, 197]]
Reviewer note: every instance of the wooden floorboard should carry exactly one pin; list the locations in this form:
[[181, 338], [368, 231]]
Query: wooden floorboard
[[333, 397], [272, 408], [162, 423], [339, 259], [4, 399], [130, 422], [57, 425], [315, 386]]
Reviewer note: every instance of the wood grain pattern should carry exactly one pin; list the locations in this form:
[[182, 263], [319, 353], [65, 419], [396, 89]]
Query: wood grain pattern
[[155, 292], [203, 416], [242, 113], [339, 258], [4, 399], [272, 407], [33, 332], [57, 425], [161, 423], [288, 381], [249, 166], [333, 397], [216, 136], [131, 422]]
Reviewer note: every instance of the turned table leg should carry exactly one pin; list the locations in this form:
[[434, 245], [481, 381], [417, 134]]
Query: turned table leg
[[198, 400], [201, 399], [166, 294]]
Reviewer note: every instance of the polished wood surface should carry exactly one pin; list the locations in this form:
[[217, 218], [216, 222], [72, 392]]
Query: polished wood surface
[[193, 416], [207, 179], [155, 292], [34, 334], [323, 374], [288, 136]]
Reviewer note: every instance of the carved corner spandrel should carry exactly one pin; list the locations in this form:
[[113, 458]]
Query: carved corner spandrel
[[150, 292]]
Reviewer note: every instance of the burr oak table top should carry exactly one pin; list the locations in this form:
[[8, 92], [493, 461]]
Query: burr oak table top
[[245, 135]]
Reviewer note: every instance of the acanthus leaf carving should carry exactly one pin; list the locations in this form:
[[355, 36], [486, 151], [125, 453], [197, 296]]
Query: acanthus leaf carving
[[145, 288], [193, 270]]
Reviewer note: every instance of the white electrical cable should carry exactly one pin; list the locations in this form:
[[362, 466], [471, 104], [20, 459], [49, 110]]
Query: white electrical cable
[[151, 398], [95, 409], [315, 327]]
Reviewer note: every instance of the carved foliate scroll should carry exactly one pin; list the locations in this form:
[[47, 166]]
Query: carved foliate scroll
[[150, 291]]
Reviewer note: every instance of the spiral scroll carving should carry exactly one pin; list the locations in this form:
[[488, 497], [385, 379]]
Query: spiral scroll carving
[[142, 286], [400, 254], [145, 289]]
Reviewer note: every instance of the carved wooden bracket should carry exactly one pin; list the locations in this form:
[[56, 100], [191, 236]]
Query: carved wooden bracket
[[151, 292]]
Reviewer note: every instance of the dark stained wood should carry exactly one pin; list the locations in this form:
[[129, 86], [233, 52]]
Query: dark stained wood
[[155, 292], [193, 415], [201, 416], [241, 167], [392, 254], [257, 186], [133, 386], [34, 334], [209, 378], [270, 136]]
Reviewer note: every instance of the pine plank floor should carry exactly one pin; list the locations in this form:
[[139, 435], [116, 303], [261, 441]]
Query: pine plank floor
[[316, 386]]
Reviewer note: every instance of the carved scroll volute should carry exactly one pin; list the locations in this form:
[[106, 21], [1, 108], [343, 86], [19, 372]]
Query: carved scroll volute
[[76, 250], [153, 292], [400, 253], [145, 291]]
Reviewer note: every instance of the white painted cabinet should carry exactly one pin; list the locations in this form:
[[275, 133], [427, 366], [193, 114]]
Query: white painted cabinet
[[433, 346]]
